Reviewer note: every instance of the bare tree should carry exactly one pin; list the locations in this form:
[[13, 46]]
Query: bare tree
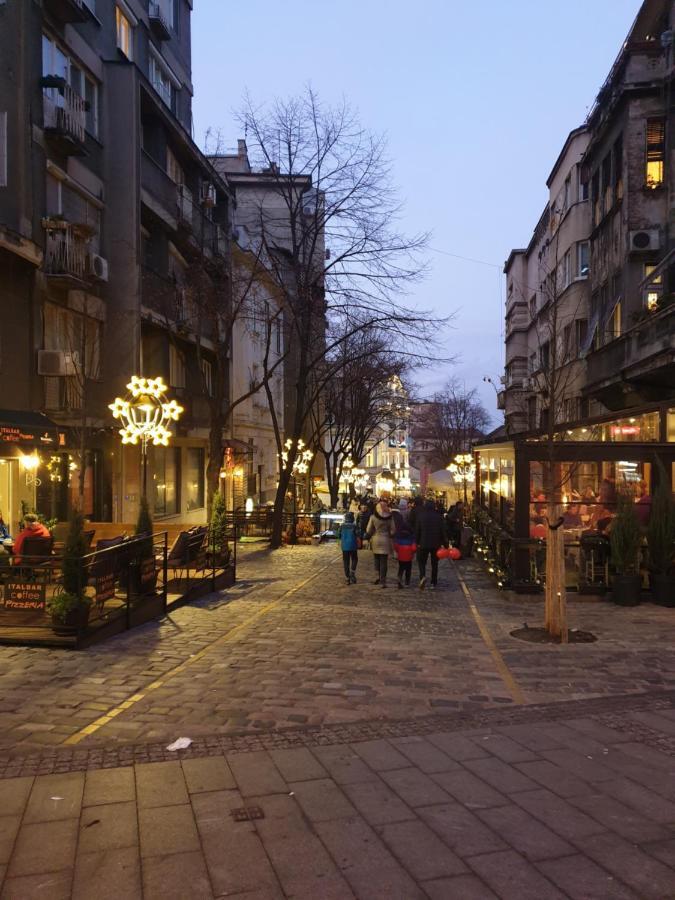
[[454, 418], [329, 186]]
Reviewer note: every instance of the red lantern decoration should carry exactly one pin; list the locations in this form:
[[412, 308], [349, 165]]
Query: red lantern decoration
[[455, 553], [442, 553]]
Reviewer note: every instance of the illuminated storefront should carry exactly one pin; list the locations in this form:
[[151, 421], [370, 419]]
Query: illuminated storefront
[[587, 465]]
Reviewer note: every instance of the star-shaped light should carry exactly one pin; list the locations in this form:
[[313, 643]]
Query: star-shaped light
[[119, 408], [172, 410]]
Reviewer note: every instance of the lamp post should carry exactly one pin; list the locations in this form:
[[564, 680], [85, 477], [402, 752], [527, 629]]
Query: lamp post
[[301, 461], [463, 469], [145, 415]]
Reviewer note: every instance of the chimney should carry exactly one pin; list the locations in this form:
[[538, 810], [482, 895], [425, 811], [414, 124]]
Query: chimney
[[242, 149]]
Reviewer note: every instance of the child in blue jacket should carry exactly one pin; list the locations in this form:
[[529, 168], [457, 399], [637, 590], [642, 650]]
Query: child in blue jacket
[[350, 534]]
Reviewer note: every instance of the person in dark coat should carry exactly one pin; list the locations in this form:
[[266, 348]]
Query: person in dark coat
[[414, 512], [454, 521], [431, 534]]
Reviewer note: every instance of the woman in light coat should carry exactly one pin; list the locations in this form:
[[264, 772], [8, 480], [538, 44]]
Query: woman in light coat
[[381, 529]]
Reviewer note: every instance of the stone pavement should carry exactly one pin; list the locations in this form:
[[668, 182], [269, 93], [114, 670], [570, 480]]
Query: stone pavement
[[347, 742]]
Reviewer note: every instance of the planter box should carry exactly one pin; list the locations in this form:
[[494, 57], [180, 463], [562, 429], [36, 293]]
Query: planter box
[[663, 589], [626, 590]]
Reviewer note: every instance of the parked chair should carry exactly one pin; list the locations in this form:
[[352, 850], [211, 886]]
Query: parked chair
[[186, 549], [36, 556]]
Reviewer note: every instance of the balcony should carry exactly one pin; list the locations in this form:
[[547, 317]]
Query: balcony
[[64, 117], [160, 193], [158, 23], [69, 10], [66, 251], [638, 367]]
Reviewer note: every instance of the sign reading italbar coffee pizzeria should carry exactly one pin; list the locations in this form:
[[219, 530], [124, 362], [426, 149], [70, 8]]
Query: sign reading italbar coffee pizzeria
[[21, 595]]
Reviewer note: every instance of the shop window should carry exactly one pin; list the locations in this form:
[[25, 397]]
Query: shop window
[[167, 481], [125, 33], [194, 478], [655, 152]]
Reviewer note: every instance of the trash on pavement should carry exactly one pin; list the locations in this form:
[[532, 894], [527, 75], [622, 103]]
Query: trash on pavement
[[181, 743]]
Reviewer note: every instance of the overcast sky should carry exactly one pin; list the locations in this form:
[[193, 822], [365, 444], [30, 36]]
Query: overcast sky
[[476, 100]]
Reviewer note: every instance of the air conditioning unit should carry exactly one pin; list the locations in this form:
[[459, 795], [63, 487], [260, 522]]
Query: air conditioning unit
[[97, 267], [208, 194], [644, 241], [57, 363]]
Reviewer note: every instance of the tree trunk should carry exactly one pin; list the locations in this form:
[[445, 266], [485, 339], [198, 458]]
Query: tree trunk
[[555, 613], [215, 460], [279, 504]]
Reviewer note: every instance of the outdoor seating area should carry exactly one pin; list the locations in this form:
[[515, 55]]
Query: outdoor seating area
[[125, 581]]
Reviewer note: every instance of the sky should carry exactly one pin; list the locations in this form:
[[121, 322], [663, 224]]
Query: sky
[[475, 100]]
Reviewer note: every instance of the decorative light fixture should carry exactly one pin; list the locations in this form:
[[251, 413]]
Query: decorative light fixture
[[303, 457], [30, 464], [462, 469], [146, 415]]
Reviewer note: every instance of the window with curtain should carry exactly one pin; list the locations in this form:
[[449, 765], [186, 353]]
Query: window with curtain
[[194, 478], [167, 481]]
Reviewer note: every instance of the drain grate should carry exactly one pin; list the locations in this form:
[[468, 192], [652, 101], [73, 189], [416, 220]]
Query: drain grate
[[247, 813]]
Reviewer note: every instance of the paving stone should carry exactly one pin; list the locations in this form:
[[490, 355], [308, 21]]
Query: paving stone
[[414, 787], [9, 827], [593, 769], [617, 817], [211, 773], [176, 877], [457, 746], [167, 829], [14, 793], [55, 797], [500, 775], [526, 835], [298, 764], [322, 800], [649, 878], [45, 847], [663, 850], [423, 754], [380, 755], [461, 830], [52, 886], [255, 773], [504, 748], [597, 731], [110, 827], [108, 875], [377, 803], [649, 803], [344, 765], [469, 790], [531, 736], [365, 862], [462, 887], [420, 851], [558, 780], [160, 784], [582, 879], [287, 838], [513, 878], [558, 814], [104, 786]]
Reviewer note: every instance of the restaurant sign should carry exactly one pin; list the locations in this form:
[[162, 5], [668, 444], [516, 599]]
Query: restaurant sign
[[21, 595], [15, 434]]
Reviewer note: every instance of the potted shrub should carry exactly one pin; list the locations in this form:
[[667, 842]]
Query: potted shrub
[[625, 539], [143, 572], [218, 539], [661, 542], [69, 607]]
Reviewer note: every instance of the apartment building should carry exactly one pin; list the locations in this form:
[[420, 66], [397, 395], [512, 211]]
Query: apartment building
[[108, 213]]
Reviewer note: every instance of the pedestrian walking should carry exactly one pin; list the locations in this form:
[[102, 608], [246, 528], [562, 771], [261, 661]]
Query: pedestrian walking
[[364, 517], [350, 537], [414, 512], [381, 529], [454, 522], [404, 548], [431, 534]]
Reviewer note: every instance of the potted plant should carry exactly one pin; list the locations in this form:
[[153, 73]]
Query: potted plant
[[143, 572], [625, 539], [218, 542], [69, 607], [661, 542]]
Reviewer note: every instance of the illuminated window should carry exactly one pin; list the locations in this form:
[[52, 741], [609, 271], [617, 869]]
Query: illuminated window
[[654, 290], [615, 322], [656, 145], [125, 34]]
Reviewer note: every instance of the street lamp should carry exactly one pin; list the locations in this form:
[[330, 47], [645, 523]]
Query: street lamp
[[303, 457], [145, 415], [463, 469]]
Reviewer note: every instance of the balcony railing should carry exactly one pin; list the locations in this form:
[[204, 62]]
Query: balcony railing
[[64, 114], [157, 183], [70, 10], [66, 249], [631, 353], [158, 22]]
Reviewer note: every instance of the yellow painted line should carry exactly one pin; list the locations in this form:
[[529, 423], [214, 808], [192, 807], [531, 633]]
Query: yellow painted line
[[181, 667], [500, 664]]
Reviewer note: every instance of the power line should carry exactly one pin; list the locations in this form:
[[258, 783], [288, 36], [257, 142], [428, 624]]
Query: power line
[[479, 262]]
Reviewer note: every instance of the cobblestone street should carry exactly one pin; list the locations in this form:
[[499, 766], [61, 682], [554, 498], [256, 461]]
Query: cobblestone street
[[398, 743]]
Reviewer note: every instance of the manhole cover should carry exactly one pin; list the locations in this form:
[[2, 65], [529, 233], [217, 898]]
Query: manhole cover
[[247, 813]]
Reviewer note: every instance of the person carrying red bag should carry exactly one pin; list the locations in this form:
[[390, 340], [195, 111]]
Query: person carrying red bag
[[404, 547]]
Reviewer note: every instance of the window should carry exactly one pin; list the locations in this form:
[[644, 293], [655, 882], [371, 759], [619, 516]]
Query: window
[[654, 290], [125, 34], [618, 167], [615, 322], [167, 481], [533, 306], [532, 364], [583, 259], [580, 335], [207, 376], [567, 192], [194, 478], [566, 269], [595, 196], [607, 183], [56, 62], [91, 98], [176, 367], [545, 355], [3, 149], [160, 80], [583, 184], [173, 167], [656, 146]]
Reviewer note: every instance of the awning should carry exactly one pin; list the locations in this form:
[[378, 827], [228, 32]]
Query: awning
[[441, 480], [26, 427]]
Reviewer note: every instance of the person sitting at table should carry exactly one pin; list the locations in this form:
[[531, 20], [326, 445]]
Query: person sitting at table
[[4, 530], [31, 528], [572, 516]]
